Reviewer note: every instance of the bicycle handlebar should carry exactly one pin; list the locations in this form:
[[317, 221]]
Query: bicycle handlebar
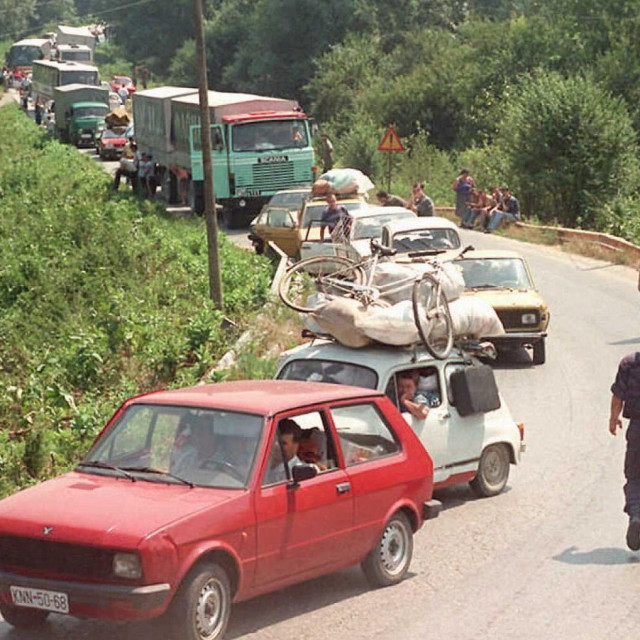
[[380, 249]]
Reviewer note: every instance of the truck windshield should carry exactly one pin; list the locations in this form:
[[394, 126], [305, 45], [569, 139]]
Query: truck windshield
[[81, 77], [329, 371], [87, 112], [76, 56], [23, 55], [271, 135], [173, 444]]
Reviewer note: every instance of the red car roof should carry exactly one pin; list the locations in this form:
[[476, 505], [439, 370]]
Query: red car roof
[[264, 397]]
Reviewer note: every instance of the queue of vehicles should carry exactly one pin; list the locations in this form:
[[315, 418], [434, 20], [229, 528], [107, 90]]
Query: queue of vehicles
[[126, 536]]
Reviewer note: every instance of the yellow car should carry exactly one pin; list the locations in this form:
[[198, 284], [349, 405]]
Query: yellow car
[[503, 279], [291, 217], [277, 219]]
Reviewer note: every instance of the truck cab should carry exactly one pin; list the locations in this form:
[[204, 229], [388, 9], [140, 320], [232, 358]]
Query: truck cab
[[84, 121]]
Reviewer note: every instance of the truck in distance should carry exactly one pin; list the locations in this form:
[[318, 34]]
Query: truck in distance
[[260, 145], [80, 112], [48, 74]]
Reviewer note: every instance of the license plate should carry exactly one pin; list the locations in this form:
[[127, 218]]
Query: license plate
[[86, 135], [40, 599]]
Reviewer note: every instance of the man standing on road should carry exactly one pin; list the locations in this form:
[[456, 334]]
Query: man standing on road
[[326, 148], [626, 394], [336, 217]]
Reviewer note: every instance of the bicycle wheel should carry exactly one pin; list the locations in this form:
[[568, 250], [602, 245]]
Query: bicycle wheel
[[328, 275], [432, 317]]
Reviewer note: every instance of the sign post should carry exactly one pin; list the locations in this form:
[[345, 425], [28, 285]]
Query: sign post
[[390, 142]]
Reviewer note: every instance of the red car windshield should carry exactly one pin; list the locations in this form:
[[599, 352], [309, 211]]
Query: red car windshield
[[200, 446]]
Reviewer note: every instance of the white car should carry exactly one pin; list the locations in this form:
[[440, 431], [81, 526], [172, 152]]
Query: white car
[[421, 235], [469, 431], [367, 224]]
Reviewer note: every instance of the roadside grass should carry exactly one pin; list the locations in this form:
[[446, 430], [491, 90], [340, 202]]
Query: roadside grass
[[599, 251], [101, 297], [552, 237], [277, 329]]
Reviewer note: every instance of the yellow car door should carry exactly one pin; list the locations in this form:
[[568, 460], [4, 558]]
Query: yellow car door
[[281, 229]]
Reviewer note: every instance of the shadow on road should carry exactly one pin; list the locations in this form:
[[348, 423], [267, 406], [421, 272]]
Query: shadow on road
[[267, 610], [247, 617], [627, 341], [517, 358], [604, 556], [459, 494]]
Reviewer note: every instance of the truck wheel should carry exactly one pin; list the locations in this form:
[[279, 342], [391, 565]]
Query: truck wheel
[[388, 562], [539, 352], [493, 471], [22, 618], [200, 610]]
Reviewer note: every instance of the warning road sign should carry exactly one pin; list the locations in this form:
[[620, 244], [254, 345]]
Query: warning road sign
[[390, 141]]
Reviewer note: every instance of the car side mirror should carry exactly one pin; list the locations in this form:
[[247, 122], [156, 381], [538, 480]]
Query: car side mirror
[[474, 390], [301, 472]]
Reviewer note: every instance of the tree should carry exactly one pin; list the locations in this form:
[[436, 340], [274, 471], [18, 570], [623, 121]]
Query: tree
[[570, 148], [15, 15]]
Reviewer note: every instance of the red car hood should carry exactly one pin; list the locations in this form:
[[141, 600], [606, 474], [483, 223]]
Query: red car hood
[[82, 508]]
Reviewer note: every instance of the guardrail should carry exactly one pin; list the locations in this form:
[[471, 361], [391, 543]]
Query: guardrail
[[563, 234]]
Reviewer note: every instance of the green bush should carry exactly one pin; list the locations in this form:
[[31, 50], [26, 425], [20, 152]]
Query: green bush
[[102, 296], [569, 148]]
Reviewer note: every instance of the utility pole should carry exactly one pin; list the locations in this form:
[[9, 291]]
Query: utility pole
[[215, 279]]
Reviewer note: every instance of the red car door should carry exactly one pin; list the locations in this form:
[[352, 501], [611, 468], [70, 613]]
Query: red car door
[[305, 529], [376, 465]]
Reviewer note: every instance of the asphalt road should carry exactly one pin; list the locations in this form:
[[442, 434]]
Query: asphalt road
[[545, 559]]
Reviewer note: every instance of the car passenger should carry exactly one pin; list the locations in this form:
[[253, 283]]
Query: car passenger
[[409, 398], [288, 434], [309, 449]]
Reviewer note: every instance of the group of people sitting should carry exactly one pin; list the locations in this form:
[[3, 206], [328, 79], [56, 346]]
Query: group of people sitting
[[485, 211], [418, 202], [139, 169]]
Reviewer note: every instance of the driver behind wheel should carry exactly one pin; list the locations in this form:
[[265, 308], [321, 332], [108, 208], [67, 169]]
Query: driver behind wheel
[[196, 445]]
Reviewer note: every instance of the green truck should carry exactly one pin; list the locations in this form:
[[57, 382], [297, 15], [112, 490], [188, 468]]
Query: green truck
[[260, 145], [80, 111]]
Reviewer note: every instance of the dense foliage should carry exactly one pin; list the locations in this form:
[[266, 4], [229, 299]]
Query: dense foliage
[[454, 77], [101, 297]]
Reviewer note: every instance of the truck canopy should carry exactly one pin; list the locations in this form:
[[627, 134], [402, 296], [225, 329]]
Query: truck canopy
[[152, 116], [75, 35], [223, 104], [70, 94]]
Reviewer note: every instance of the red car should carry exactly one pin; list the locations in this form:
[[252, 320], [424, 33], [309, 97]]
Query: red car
[[193, 498], [122, 81], [110, 145]]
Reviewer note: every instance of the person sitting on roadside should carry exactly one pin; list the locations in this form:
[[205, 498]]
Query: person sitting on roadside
[[409, 398], [508, 210], [388, 200], [336, 217], [128, 166], [421, 203], [478, 206]]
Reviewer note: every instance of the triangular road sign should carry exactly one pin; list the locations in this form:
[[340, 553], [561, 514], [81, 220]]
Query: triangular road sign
[[390, 141]]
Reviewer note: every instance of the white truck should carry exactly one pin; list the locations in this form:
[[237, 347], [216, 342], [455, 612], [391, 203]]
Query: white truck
[[75, 35]]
